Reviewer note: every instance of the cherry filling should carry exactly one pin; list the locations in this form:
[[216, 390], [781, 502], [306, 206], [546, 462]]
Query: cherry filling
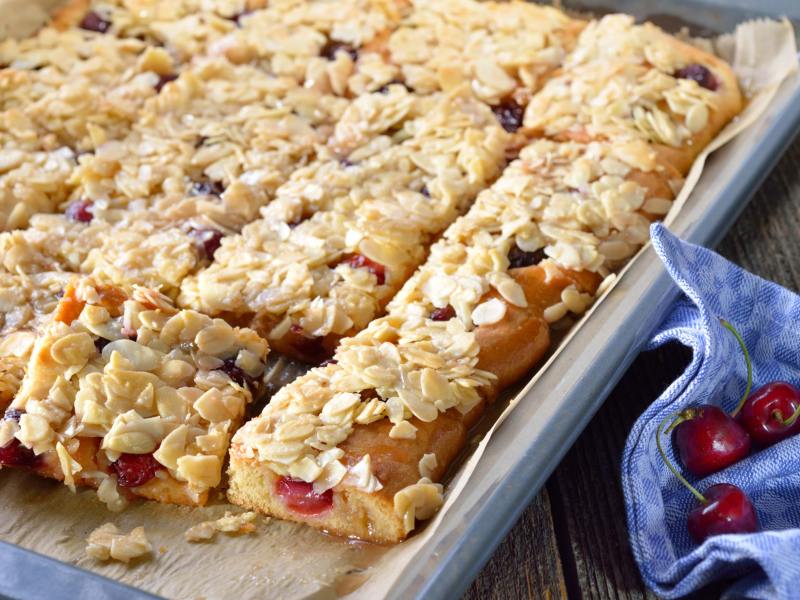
[[509, 114], [164, 80], [206, 188], [359, 261], [517, 257], [237, 18], [135, 469], [237, 374], [207, 240], [300, 497], [700, 74], [94, 22], [332, 48], [14, 454], [80, 211], [301, 218], [443, 314], [384, 89], [309, 348]]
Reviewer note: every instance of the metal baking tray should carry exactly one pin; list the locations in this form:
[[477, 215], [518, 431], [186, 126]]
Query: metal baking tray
[[529, 445]]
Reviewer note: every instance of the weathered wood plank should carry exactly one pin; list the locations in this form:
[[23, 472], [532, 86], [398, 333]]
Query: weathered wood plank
[[527, 564], [584, 492], [586, 486]]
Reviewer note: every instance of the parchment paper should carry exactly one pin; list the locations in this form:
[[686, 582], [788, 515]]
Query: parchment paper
[[281, 559]]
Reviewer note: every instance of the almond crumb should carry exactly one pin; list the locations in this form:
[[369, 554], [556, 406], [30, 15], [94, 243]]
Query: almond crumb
[[107, 543], [230, 523]]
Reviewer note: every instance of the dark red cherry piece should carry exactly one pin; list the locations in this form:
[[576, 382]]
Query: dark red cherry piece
[[769, 414], [332, 48], [509, 114], [301, 498], [80, 211], [94, 22], [238, 375], [359, 261], [14, 454], [164, 80], [700, 74], [384, 89], [135, 469], [306, 347], [517, 257], [708, 440], [237, 18], [726, 509], [443, 314], [208, 240]]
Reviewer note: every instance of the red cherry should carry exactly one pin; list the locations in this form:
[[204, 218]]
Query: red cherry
[[510, 114], [164, 80], [308, 348], [770, 414], [443, 314], [80, 211], [517, 257], [14, 454], [301, 498], [358, 261], [207, 240], [238, 375], [94, 22], [135, 469], [700, 74], [708, 440], [332, 48], [726, 509], [723, 509]]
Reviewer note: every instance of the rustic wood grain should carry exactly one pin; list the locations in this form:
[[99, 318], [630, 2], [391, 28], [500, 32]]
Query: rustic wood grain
[[587, 519], [527, 565]]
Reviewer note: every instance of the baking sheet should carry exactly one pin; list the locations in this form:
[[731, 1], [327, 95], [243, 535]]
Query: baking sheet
[[280, 559]]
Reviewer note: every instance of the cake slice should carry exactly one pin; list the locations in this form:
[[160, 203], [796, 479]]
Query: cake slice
[[630, 84], [125, 393]]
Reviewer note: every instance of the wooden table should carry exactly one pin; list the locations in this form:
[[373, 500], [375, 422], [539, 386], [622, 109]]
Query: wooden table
[[572, 541]]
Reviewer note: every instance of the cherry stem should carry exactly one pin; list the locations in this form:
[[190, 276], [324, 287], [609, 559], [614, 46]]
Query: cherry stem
[[747, 361], [778, 416], [676, 418]]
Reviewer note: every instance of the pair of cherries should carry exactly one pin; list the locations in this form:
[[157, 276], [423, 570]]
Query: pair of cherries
[[708, 440]]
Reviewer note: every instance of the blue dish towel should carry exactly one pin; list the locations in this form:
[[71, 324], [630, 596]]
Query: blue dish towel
[[765, 564]]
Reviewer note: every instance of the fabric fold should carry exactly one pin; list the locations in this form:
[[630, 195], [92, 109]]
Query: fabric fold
[[765, 564]]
